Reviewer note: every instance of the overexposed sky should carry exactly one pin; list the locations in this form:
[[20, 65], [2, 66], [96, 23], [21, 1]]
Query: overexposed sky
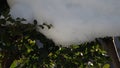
[[74, 21]]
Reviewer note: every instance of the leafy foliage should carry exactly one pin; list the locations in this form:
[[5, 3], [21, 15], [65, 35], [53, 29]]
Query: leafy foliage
[[19, 48]]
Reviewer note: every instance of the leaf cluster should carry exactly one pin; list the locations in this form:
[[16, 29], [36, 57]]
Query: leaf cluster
[[19, 47]]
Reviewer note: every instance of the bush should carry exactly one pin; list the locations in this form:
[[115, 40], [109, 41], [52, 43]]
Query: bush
[[19, 48]]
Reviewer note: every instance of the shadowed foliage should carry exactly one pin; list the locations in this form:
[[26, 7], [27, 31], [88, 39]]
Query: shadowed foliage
[[19, 48]]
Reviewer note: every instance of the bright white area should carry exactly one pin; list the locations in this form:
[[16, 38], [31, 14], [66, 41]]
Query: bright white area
[[74, 21]]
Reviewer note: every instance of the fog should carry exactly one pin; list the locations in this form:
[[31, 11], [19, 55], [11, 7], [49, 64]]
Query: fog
[[74, 21]]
